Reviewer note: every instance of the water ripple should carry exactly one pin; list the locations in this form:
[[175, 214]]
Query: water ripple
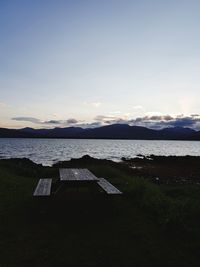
[[49, 151]]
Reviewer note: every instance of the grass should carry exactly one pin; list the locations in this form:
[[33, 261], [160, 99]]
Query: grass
[[149, 225]]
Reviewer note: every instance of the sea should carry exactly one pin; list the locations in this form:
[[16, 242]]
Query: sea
[[50, 151]]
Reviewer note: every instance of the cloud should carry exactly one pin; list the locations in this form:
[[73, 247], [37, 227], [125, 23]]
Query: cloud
[[51, 122], [29, 119], [195, 115], [184, 122], [115, 112], [111, 119], [154, 122], [93, 104], [103, 117], [70, 121], [96, 104], [154, 118], [3, 105], [89, 125], [158, 122], [138, 107]]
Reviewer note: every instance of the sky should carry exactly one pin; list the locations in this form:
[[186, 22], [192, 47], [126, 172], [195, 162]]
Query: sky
[[90, 63]]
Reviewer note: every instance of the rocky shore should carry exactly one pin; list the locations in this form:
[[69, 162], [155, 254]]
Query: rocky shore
[[158, 169], [166, 169]]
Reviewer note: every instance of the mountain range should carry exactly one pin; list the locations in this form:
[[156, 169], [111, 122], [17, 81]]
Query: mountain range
[[114, 131]]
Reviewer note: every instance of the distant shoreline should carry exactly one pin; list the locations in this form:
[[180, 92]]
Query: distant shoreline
[[115, 139], [110, 132]]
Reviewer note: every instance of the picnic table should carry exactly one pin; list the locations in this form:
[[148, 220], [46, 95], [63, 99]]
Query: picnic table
[[76, 177], [79, 175]]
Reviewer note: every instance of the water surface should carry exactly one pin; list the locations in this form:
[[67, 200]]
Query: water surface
[[49, 151]]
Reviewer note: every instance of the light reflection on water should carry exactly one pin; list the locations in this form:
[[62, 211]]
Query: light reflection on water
[[48, 151]]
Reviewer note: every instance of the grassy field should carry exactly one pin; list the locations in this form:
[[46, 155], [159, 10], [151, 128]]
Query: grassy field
[[150, 225]]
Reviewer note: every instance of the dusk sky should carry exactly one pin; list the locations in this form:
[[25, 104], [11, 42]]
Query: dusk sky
[[89, 62]]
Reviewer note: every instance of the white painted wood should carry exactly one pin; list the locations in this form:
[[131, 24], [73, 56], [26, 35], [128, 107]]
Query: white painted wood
[[66, 174], [43, 187], [108, 187], [77, 175]]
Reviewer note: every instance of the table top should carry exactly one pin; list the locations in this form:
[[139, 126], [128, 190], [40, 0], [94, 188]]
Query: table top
[[77, 175]]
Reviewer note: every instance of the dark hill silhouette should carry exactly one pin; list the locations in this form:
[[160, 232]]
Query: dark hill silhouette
[[177, 133], [115, 131], [7, 133], [68, 132], [120, 131]]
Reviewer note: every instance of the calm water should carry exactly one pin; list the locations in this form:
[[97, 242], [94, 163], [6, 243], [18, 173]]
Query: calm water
[[48, 151]]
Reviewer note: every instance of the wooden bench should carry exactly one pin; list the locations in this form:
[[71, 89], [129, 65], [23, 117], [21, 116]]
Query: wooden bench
[[43, 188], [108, 187]]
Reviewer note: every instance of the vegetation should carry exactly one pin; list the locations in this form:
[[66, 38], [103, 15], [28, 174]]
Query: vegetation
[[150, 225]]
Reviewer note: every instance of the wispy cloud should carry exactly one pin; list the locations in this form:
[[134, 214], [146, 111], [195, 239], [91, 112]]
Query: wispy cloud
[[67, 122], [29, 119], [95, 124], [112, 119], [103, 118], [138, 107], [3, 105], [93, 104]]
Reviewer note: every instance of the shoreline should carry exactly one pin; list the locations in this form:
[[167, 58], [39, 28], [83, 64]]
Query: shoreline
[[168, 170], [109, 139]]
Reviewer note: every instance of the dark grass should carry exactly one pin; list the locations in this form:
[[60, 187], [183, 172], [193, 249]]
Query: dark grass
[[150, 225]]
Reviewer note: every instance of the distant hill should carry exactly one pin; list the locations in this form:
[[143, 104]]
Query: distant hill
[[68, 132], [115, 131], [7, 133]]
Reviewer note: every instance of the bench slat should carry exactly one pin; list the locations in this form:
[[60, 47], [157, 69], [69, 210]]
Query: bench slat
[[43, 187], [108, 187]]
